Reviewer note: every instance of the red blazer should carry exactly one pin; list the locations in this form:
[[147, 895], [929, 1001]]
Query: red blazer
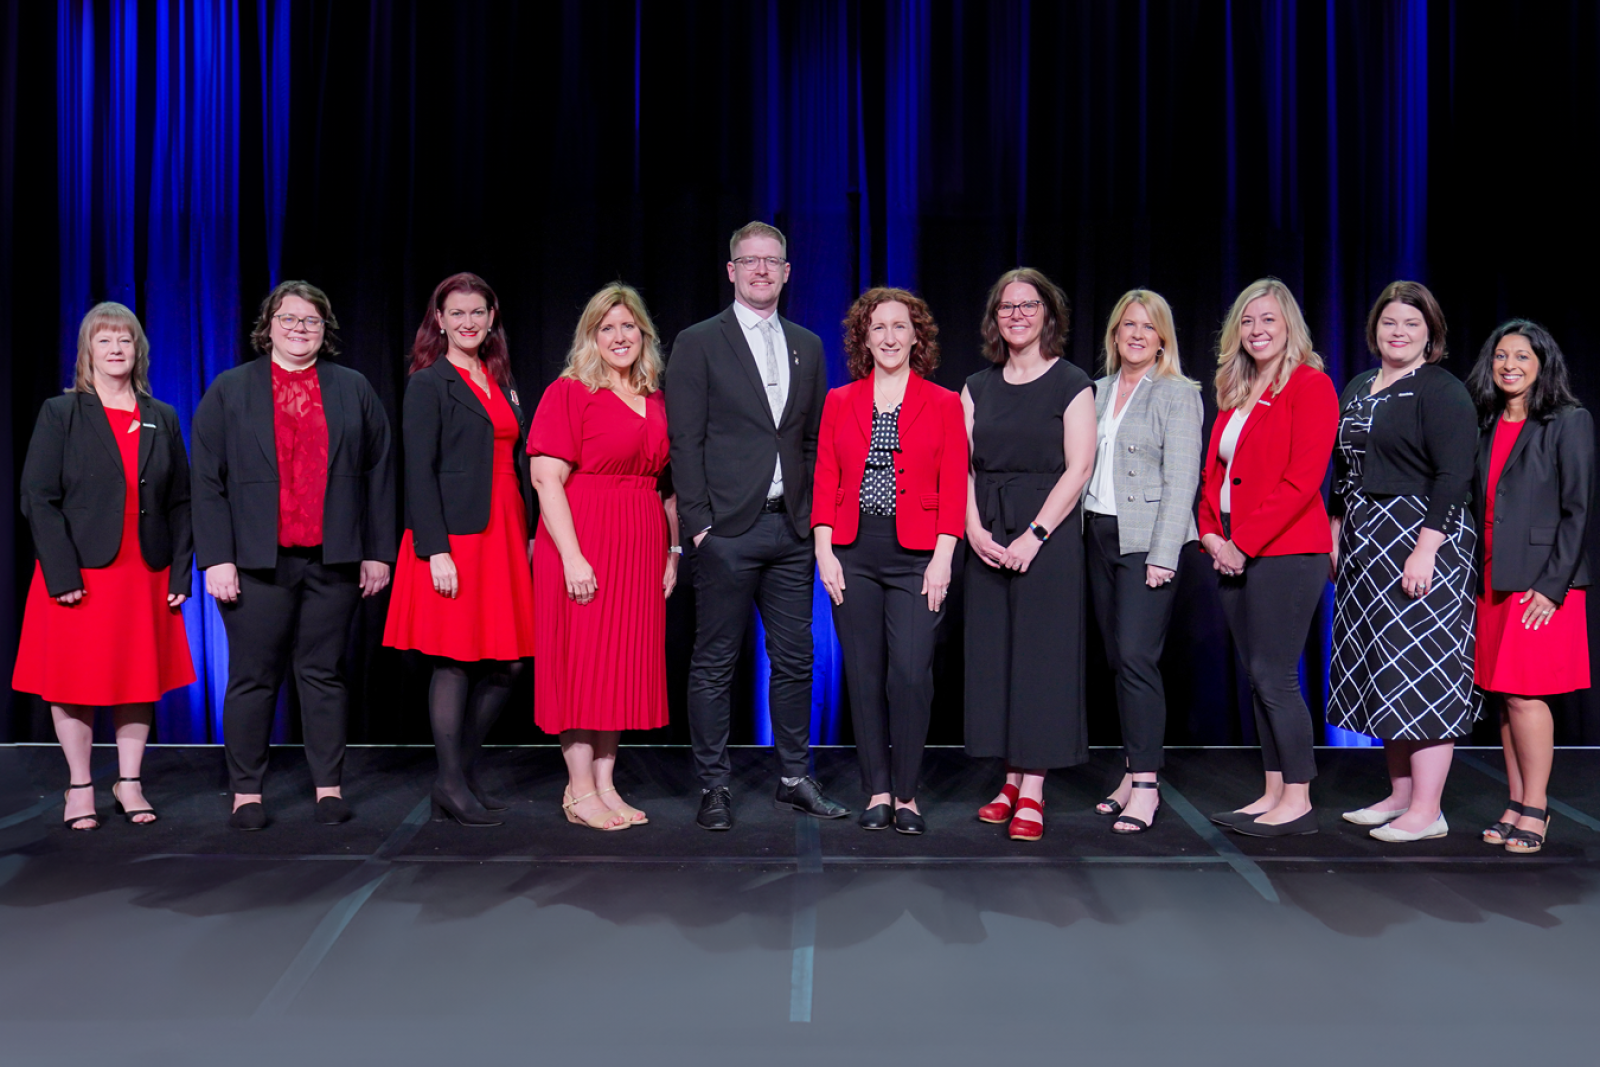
[[930, 471], [1278, 467]]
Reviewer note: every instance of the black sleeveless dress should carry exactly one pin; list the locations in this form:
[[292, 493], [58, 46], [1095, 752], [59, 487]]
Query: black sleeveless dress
[[1025, 632]]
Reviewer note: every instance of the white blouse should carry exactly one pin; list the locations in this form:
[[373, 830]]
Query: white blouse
[[1225, 449], [1101, 497]]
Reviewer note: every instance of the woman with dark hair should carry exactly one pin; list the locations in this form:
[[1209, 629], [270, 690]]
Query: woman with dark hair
[[1140, 512], [105, 490], [1401, 664], [888, 506], [463, 591], [294, 524], [606, 552], [1030, 425], [1534, 478]]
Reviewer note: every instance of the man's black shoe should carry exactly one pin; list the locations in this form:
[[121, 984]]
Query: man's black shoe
[[806, 795], [716, 808]]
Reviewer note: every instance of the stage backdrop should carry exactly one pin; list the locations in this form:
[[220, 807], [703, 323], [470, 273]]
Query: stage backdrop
[[181, 156]]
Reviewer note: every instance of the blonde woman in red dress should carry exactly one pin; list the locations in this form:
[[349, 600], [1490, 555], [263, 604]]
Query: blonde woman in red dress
[[463, 593], [606, 554], [105, 489]]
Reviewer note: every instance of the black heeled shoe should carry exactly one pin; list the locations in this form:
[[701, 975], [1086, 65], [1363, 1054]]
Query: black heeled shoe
[[444, 807], [1111, 805], [126, 813], [93, 818], [1141, 825]]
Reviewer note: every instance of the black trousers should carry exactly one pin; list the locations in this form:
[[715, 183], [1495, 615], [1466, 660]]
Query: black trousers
[[1269, 610], [296, 616], [1133, 621], [887, 636], [770, 565]]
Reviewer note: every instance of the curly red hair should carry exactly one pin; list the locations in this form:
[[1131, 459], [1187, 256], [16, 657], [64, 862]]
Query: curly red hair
[[924, 357]]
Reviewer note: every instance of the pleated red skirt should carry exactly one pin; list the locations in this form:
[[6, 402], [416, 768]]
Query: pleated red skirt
[[602, 665]]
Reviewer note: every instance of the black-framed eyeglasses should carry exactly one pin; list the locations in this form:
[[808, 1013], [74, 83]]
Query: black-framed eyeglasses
[[1028, 308], [754, 262], [289, 322]]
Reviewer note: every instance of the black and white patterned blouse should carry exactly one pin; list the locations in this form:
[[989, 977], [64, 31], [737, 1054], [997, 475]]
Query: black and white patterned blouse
[[877, 485]]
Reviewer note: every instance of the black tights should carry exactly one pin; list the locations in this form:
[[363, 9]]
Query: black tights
[[464, 700]]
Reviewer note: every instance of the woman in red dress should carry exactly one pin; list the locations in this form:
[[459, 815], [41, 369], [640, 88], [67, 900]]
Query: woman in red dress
[[105, 489], [463, 593], [1535, 469], [605, 557]]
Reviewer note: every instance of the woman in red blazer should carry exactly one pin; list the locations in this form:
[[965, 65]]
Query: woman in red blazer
[[1263, 521], [889, 504]]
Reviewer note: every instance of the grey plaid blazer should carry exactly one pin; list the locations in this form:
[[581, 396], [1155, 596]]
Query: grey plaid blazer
[[1157, 456]]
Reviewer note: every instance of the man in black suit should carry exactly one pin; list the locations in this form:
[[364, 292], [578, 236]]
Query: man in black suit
[[744, 404]]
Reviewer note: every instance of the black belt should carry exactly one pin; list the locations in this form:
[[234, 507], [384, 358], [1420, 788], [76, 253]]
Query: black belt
[[773, 505]]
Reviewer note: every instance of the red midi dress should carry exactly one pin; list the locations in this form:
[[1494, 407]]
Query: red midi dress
[[602, 665], [120, 644], [491, 616], [1512, 658]]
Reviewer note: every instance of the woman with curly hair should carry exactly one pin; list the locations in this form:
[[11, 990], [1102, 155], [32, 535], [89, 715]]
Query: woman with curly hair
[[888, 505]]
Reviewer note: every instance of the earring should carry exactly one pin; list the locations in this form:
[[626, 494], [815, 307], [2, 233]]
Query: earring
[[441, 331]]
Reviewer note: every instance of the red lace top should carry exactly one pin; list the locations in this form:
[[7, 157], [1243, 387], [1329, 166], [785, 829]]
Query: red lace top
[[301, 430]]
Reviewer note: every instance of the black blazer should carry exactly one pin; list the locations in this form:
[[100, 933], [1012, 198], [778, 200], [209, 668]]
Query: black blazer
[[236, 470], [1541, 505], [1421, 444], [449, 442], [724, 444], [74, 491]]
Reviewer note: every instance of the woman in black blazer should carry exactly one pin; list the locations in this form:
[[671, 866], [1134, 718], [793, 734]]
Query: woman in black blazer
[[294, 524], [1534, 477], [105, 489], [464, 589]]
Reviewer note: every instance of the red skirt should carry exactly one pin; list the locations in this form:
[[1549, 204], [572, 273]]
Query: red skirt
[[1515, 659], [603, 665], [120, 644], [491, 616]]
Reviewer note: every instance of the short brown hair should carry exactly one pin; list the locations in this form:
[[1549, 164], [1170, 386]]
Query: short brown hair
[[261, 334], [756, 229], [924, 357], [1053, 341], [1412, 295]]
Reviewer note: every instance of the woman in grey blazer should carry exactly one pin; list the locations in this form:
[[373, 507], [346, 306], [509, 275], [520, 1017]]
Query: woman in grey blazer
[[1140, 514]]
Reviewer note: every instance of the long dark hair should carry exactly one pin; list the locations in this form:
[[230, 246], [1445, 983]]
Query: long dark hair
[[430, 345], [1053, 341], [1552, 389]]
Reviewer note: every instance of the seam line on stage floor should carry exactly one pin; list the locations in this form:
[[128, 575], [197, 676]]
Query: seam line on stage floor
[[1208, 832], [803, 933], [1559, 806]]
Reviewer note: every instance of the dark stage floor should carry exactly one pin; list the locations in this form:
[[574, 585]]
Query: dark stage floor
[[393, 940]]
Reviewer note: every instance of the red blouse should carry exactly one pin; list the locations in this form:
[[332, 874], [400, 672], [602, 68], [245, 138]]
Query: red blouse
[[300, 428]]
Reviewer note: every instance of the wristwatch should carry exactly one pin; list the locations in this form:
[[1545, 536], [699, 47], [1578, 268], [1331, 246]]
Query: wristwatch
[[1040, 532], [676, 550]]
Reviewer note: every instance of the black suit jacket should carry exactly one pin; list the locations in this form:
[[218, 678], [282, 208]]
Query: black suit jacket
[[74, 491], [236, 470], [724, 443], [1541, 505], [449, 442]]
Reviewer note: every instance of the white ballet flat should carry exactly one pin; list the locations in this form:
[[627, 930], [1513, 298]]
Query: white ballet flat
[[1437, 828], [1372, 817]]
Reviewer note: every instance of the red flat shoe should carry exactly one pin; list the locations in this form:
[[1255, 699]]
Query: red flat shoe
[[997, 812], [1027, 829]]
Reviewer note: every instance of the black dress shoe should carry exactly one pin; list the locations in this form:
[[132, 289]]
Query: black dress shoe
[[716, 808], [333, 811], [877, 817], [250, 816], [1305, 824], [1230, 819], [907, 821], [806, 795]]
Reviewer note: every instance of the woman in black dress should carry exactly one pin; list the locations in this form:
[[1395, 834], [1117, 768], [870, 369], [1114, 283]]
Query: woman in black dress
[[1030, 422]]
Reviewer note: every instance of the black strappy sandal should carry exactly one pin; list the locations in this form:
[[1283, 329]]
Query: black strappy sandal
[[1140, 823], [1498, 833], [128, 815], [1527, 842], [1110, 805], [93, 818]]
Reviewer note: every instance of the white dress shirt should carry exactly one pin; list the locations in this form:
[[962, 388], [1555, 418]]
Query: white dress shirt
[[755, 330]]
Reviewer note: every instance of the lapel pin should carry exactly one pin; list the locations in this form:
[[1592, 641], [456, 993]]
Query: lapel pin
[[514, 399]]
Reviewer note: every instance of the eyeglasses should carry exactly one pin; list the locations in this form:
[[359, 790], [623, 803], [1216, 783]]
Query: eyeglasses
[[1028, 308], [755, 262], [289, 322]]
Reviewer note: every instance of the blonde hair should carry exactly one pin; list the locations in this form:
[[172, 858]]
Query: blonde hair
[[587, 365], [756, 229], [106, 316], [1236, 368], [1167, 364]]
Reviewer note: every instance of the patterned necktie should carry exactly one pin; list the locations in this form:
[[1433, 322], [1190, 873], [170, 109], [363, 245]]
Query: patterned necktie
[[774, 398]]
